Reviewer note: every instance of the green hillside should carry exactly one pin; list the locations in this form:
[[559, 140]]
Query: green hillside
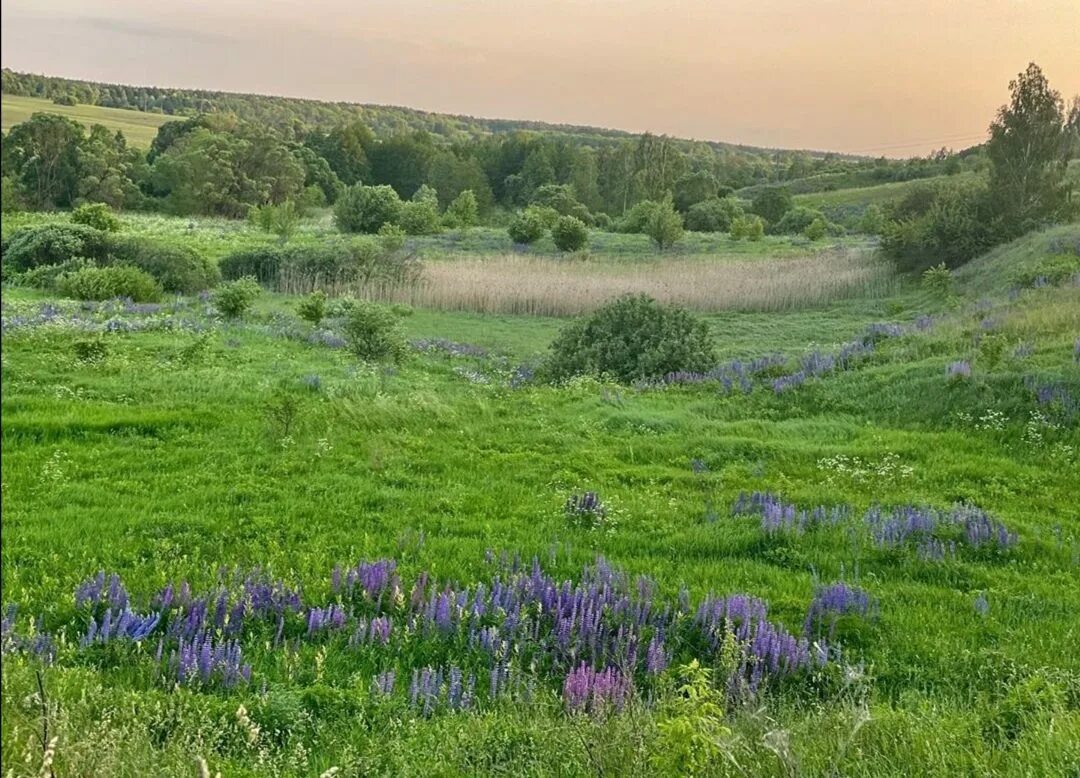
[[139, 128]]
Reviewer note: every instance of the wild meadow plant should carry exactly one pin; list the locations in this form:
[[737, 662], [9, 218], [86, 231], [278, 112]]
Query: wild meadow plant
[[600, 638]]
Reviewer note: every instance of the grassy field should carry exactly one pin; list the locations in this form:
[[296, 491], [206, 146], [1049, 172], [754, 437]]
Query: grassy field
[[139, 128], [178, 447]]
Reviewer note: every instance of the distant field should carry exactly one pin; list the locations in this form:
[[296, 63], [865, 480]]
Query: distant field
[[139, 128]]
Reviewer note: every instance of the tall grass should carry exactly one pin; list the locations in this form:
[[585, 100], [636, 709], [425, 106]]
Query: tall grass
[[567, 287]]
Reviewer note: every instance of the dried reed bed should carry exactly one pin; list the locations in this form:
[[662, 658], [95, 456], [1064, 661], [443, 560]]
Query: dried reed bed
[[545, 286]]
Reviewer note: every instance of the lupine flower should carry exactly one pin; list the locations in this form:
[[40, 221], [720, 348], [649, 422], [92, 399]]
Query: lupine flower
[[587, 690], [959, 369], [833, 601]]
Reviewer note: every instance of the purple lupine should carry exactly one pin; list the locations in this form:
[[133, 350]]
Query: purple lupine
[[834, 601], [959, 369], [203, 660], [982, 605], [588, 690], [120, 625], [586, 506]]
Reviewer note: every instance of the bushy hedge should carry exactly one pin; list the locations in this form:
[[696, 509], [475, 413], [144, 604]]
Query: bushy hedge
[[305, 268], [96, 215], [107, 283], [373, 332], [53, 244], [943, 224], [178, 268], [527, 227], [713, 215], [632, 338]]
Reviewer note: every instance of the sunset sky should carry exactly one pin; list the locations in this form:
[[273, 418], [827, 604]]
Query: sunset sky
[[898, 77]]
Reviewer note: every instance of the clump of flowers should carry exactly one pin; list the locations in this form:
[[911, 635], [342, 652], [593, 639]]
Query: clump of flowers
[[959, 370], [834, 601], [586, 508]]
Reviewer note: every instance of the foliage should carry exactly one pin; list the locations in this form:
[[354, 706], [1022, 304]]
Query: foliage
[[636, 220], [10, 201], [373, 333], [527, 227], [107, 283], [665, 225], [713, 215], [872, 221], [796, 220], [96, 215], [281, 219], [1029, 147], [178, 268], [51, 244], [312, 308], [367, 208], [693, 188], [463, 211], [749, 226], [692, 731], [817, 229], [560, 198], [233, 299], [954, 229], [420, 216], [938, 280], [570, 234], [630, 339], [772, 203]]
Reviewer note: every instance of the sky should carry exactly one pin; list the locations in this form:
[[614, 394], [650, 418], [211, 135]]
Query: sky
[[893, 77]]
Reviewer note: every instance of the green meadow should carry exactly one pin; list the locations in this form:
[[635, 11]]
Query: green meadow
[[169, 445], [139, 128]]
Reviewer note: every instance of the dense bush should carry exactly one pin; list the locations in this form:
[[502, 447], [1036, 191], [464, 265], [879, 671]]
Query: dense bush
[[632, 338], [312, 308], [234, 298], [570, 234], [527, 227], [107, 283], [263, 264], [178, 268], [463, 211], [45, 276], [636, 220], [749, 226], [771, 204], [954, 227], [281, 219], [665, 225], [52, 244], [560, 199], [420, 216], [713, 215], [96, 215], [795, 221], [367, 208], [373, 333]]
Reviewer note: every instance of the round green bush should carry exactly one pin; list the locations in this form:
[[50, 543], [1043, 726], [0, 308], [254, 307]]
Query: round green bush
[[713, 215], [96, 215], [629, 339], [570, 234], [373, 333], [367, 208], [797, 220], [180, 269], [53, 244], [264, 264], [527, 227], [107, 283], [234, 298]]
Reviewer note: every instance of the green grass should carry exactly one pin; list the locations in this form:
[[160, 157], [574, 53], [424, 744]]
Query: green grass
[[139, 128], [163, 468]]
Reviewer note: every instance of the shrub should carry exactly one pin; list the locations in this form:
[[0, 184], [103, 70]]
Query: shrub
[[367, 208], [953, 229], [391, 237], [463, 211], [281, 219], [312, 308], [560, 198], [817, 229], [10, 202], [797, 220], [527, 227], [45, 277], [713, 215], [938, 280], [373, 333], [107, 283], [636, 220], [264, 264], [772, 203], [419, 217], [665, 225], [234, 298], [570, 233], [872, 221], [179, 268], [631, 338], [52, 244], [96, 215], [749, 226]]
